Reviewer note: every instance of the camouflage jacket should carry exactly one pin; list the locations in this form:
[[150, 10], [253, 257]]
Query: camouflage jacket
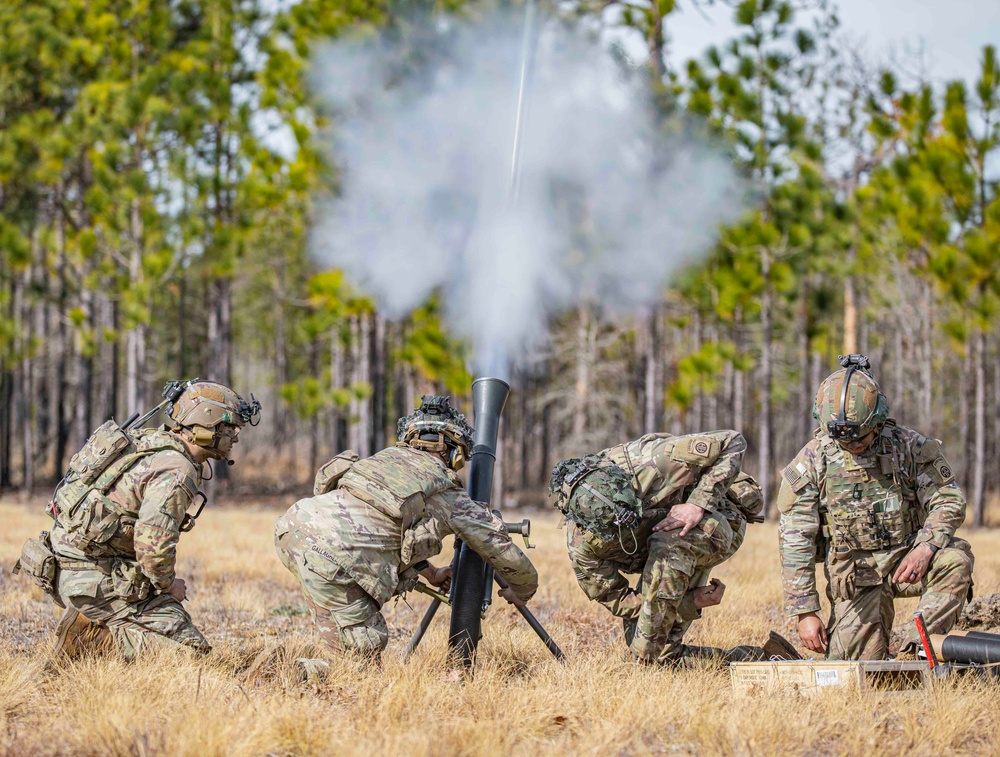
[[667, 470], [154, 493], [392, 511], [899, 493], [696, 468]]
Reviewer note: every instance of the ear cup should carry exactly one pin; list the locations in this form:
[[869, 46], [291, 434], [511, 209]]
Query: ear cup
[[457, 458], [203, 437]]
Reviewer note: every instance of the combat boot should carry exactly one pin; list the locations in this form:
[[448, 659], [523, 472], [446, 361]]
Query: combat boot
[[76, 634], [742, 653]]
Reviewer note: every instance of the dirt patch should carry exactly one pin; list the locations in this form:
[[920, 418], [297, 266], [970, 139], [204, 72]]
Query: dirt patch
[[981, 614]]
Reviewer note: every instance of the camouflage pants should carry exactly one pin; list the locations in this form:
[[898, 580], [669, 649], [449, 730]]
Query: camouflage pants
[[157, 622], [859, 628], [347, 617], [675, 564]]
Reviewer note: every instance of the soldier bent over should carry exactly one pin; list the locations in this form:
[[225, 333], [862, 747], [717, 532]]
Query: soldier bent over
[[879, 503], [368, 533], [668, 507]]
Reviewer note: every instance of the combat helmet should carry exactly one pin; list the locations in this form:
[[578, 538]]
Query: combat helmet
[[597, 495], [849, 403], [437, 427], [203, 406]]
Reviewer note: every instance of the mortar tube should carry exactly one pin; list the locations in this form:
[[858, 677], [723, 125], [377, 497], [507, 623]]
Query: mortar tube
[[489, 395]]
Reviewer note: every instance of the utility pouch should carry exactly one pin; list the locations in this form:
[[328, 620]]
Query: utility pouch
[[130, 583], [745, 493], [39, 564], [95, 521], [843, 575], [420, 542], [330, 473], [103, 447]]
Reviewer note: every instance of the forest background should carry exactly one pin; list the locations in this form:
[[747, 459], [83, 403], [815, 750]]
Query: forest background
[[152, 228]]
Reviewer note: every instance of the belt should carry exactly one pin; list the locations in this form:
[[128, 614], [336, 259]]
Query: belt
[[104, 566]]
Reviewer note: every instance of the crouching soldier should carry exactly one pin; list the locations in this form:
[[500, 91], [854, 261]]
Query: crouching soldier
[[668, 507], [110, 557], [877, 504], [371, 527]]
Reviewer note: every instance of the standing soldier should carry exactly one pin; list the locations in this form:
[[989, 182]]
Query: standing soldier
[[668, 507], [369, 530], [119, 513], [879, 503]]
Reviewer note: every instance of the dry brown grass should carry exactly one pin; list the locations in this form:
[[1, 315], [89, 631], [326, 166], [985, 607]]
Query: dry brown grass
[[247, 699]]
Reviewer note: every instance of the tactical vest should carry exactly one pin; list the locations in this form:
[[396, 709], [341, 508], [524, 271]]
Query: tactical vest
[[81, 506], [867, 507], [397, 481]]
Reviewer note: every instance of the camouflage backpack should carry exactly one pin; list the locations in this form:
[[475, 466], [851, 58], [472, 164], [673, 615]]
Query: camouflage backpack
[[597, 495]]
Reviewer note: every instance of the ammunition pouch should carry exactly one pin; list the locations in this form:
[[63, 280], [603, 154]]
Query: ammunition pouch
[[330, 474], [129, 582], [38, 563]]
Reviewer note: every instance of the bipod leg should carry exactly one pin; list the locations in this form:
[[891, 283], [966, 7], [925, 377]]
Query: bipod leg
[[425, 623], [431, 610], [537, 627]]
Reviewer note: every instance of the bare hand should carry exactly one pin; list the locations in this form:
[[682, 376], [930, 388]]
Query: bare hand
[[709, 596], [178, 590], [812, 632], [511, 597], [914, 566], [684, 516], [441, 577]]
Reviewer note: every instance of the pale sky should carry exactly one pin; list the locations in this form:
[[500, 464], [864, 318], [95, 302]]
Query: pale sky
[[952, 34]]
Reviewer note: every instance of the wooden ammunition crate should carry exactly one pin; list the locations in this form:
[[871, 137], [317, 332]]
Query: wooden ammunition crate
[[810, 677]]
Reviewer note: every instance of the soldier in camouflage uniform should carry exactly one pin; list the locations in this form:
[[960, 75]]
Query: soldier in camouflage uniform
[[115, 539], [668, 507], [369, 530], [879, 504]]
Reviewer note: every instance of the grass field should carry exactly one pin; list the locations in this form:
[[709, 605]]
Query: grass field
[[246, 698]]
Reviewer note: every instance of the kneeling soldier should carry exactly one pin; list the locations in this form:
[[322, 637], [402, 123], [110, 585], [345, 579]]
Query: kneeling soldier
[[879, 503], [668, 507], [369, 530], [119, 514]]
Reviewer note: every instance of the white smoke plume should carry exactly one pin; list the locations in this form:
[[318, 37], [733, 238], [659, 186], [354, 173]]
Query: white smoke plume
[[608, 203]]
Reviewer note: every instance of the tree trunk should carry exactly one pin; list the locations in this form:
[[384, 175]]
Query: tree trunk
[[281, 350], [113, 388], [338, 379], [364, 365], [379, 385], [739, 378], [7, 389], [965, 387], [850, 312], [979, 424], [698, 407], [584, 360], [804, 419], [764, 429], [62, 364], [925, 350], [711, 398]]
